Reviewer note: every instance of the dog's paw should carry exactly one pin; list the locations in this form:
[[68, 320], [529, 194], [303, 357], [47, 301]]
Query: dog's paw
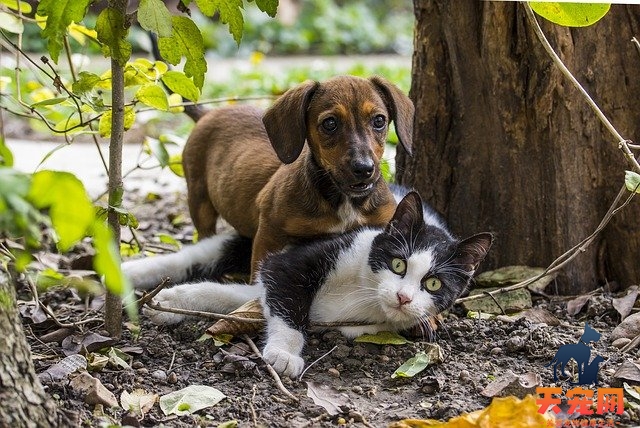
[[168, 298], [283, 361]]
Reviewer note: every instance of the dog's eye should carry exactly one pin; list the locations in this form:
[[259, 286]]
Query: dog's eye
[[379, 122], [330, 124]]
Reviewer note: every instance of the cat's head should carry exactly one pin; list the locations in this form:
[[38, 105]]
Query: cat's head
[[420, 269]]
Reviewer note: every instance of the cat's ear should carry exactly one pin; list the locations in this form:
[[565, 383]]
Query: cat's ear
[[472, 251], [408, 215]]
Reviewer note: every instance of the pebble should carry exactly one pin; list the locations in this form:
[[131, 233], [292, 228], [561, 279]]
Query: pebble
[[334, 372], [464, 375], [172, 378], [384, 358], [137, 365], [159, 375], [495, 351], [314, 342], [357, 389], [143, 371]]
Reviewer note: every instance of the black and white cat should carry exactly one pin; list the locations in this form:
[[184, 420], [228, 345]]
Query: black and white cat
[[391, 278]]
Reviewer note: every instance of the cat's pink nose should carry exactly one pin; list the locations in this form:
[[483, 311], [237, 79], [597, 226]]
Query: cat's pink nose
[[403, 299]]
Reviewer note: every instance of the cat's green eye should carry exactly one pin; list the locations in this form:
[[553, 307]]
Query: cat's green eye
[[432, 284], [398, 266]]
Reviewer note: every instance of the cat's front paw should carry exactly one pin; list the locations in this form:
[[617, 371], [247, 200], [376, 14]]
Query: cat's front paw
[[167, 298], [284, 362]]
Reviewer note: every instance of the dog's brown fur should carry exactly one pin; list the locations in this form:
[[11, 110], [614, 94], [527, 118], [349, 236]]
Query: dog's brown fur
[[254, 170]]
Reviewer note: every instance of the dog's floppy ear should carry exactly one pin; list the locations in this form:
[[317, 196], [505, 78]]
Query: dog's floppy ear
[[401, 109], [286, 121]]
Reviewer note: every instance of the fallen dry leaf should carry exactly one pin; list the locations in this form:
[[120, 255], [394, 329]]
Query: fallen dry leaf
[[513, 384], [534, 316], [628, 328], [502, 412], [251, 309], [78, 343], [63, 368], [574, 306], [625, 304], [138, 401], [628, 371], [332, 400]]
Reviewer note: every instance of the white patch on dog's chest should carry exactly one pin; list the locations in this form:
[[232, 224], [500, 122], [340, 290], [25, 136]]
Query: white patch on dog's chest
[[349, 217]]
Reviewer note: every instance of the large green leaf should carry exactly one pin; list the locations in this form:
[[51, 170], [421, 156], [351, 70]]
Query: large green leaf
[[70, 208], [180, 84], [186, 41], [112, 33], [154, 16], [270, 7], [412, 366], [230, 13], [153, 96], [60, 13], [190, 399], [571, 14]]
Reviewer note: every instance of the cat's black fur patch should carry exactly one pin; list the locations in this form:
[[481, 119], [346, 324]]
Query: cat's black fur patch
[[235, 259], [304, 269]]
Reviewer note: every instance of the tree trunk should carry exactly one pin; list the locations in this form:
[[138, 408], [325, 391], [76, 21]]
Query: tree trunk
[[23, 401], [506, 144]]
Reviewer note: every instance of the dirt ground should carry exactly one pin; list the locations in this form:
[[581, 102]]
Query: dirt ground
[[161, 360]]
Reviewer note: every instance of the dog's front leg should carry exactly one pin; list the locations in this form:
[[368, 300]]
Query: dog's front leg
[[265, 242]]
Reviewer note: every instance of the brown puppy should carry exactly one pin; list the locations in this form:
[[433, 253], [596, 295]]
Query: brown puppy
[[255, 171]]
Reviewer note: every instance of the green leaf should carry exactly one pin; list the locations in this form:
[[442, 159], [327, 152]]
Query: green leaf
[[168, 239], [186, 41], [190, 399], [11, 23], [158, 150], [6, 156], [85, 83], [571, 14], [49, 102], [154, 16], [382, 338], [230, 13], [180, 84], [175, 165], [70, 208], [412, 366], [153, 96], [104, 125], [23, 6], [112, 33], [270, 7], [632, 181], [60, 13]]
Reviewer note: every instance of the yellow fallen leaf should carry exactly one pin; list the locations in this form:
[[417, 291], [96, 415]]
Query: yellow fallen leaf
[[504, 412]]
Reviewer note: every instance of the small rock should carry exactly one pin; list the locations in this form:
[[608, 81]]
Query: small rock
[[143, 371], [172, 378], [314, 342], [621, 342], [515, 343], [137, 365], [464, 375], [628, 328], [159, 375], [357, 389], [334, 372], [384, 358], [496, 351]]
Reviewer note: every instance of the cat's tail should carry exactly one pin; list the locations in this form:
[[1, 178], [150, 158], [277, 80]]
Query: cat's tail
[[209, 259]]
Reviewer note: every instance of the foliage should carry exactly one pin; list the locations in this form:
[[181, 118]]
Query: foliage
[[571, 14]]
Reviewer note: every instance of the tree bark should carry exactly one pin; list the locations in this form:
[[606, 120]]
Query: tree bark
[[504, 143], [23, 401]]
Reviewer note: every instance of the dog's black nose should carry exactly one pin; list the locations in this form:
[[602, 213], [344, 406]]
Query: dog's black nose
[[362, 168]]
